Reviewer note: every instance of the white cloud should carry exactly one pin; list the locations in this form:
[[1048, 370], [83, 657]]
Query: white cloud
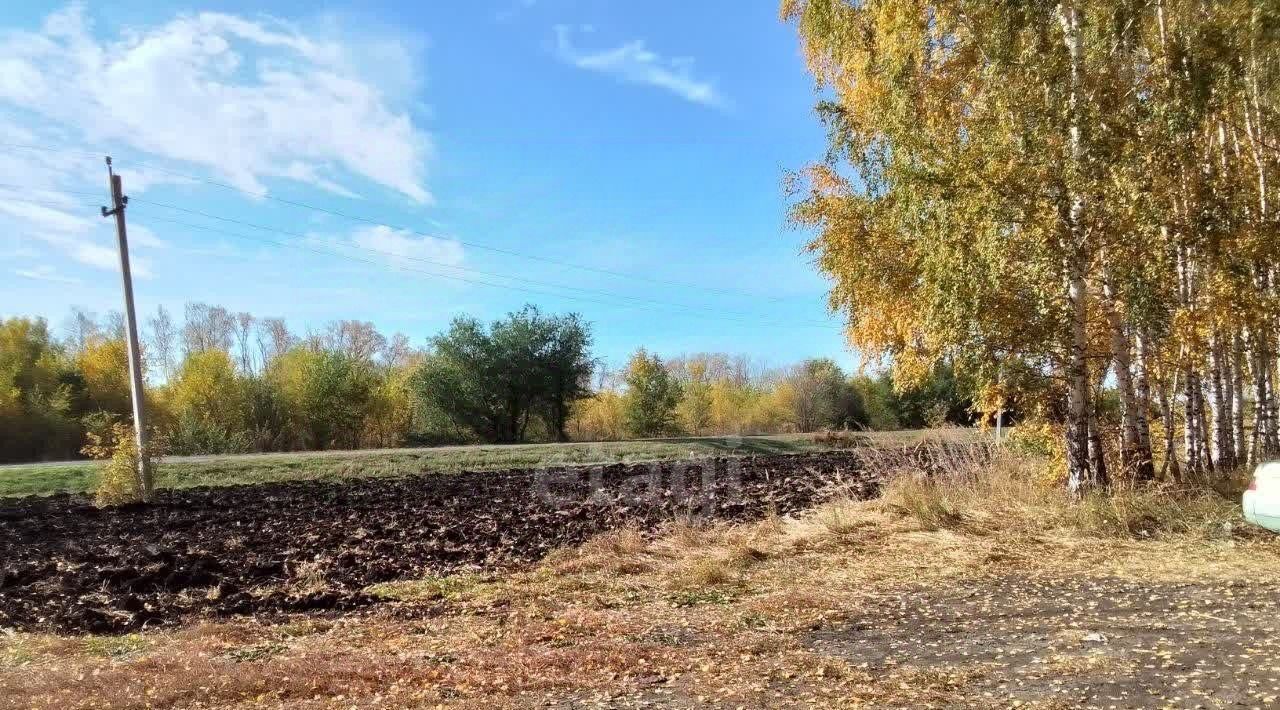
[[45, 218], [140, 179], [89, 241], [307, 173], [634, 62], [403, 247], [102, 256], [98, 255], [45, 273], [245, 99], [142, 236]]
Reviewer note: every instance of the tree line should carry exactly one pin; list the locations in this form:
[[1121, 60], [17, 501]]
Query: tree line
[[710, 394], [1069, 200], [223, 382]]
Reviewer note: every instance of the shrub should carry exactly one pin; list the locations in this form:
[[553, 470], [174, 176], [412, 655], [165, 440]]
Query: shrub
[[120, 482], [194, 434]]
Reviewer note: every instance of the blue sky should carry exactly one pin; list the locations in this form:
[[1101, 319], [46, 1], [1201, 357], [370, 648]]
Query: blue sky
[[645, 141]]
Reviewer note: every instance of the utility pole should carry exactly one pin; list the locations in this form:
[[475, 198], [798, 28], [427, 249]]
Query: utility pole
[[118, 202]]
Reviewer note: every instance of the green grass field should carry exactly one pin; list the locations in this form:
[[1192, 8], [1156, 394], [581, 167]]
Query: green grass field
[[81, 476]]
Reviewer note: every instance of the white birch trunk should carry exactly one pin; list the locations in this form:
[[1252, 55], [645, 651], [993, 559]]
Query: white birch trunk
[[1219, 408], [1202, 419], [1260, 444], [1170, 471], [1241, 396], [1077, 430]]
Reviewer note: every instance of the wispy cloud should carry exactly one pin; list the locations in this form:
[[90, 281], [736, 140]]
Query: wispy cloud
[[634, 62], [45, 273], [83, 240], [142, 236], [403, 247], [244, 99]]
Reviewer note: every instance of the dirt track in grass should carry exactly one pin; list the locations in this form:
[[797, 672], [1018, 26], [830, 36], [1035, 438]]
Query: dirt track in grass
[[67, 566]]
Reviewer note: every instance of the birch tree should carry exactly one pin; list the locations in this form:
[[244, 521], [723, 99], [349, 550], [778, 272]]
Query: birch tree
[[1060, 197]]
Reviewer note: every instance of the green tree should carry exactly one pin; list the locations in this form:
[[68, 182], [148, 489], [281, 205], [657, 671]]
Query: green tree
[[492, 382], [879, 401], [649, 405], [564, 367], [941, 398], [208, 402], [39, 394], [695, 405], [822, 397], [103, 364], [266, 417], [326, 394]]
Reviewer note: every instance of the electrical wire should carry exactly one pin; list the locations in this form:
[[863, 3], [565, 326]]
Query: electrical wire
[[394, 255], [402, 267], [377, 222]]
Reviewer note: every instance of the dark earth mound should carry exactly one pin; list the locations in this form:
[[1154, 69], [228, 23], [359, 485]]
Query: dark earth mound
[[68, 566]]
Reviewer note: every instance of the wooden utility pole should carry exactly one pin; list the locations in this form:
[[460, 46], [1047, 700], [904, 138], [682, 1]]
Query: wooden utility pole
[[118, 202]]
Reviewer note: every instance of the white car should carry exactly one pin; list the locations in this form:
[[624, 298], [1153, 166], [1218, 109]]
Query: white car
[[1262, 499]]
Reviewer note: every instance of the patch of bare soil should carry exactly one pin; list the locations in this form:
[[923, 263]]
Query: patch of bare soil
[[68, 566], [1014, 641], [1079, 642]]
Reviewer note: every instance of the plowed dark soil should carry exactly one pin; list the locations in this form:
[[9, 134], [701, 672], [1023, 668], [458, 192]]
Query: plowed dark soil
[[68, 566]]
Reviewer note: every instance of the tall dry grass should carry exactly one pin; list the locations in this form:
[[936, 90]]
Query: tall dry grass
[[988, 489]]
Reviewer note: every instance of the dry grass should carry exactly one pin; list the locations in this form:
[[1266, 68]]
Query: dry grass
[[308, 578], [1006, 494], [841, 439], [696, 615]]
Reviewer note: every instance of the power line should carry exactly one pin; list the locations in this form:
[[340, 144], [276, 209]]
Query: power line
[[394, 255], [681, 307], [381, 223], [48, 203], [64, 205], [401, 267], [45, 149], [340, 255]]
